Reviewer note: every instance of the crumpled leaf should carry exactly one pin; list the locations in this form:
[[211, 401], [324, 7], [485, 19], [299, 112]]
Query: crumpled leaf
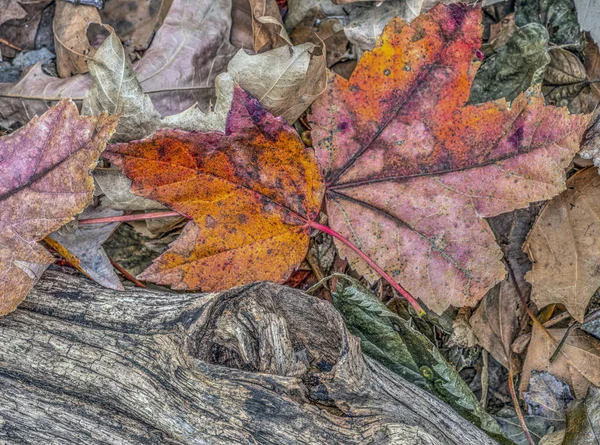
[[299, 9], [547, 398], [390, 340], [70, 40], [267, 26], [285, 80], [577, 363], [583, 420], [175, 71], [324, 31], [566, 83], [411, 169], [496, 323], [116, 90], [82, 247], [513, 67], [559, 17], [367, 24], [250, 221], [564, 246], [44, 182]]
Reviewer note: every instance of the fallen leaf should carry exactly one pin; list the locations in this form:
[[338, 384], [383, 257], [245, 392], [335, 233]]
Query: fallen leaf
[[412, 170], [298, 10], [559, 17], [555, 438], [588, 15], [136, 23], [11, 10], [510, 425], [500, 32], [267, 26], [583, 420], [547, 398], [496, 323], [82, 247], [321, 30], [285, 80], [116, 90], [115, 187], [389, 339], [513, 67], [566, 83], [368, 23], [175, 71], [577, 363], [250, 222], [564, 246], [241, 28], [70, 40], [44, 182]]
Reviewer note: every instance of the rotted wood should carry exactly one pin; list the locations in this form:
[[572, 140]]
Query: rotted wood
[[261, 364]]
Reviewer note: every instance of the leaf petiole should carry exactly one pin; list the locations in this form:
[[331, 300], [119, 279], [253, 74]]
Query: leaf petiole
[[414, 303], [125, 218]]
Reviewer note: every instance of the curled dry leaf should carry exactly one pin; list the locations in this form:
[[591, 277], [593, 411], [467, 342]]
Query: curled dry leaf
[[267, 26], [44, 182], [177, 71], [496, 323], [82, 247], [412, 170], [564, 246], [285, 80], [70, 40], [577, 363], [250, 222]]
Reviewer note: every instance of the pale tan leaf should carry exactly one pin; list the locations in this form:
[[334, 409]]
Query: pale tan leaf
[[267, 26], [564, 246], [285, 80]]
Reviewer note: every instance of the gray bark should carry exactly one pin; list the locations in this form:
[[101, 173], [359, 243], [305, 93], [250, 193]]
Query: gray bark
[[261, 364]]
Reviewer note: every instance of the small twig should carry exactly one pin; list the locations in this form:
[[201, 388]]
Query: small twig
[[127, 275], [10, 45], [484, 378], [513, 395], [562, 341]]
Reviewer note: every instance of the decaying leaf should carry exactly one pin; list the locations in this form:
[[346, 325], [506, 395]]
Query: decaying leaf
[[285, 80], [564, 246], [21, 31], [496, 323], [11, 9], [267, 26], [82, 247], [547, 398], [514, 66], [70, 40], [588, 14], [391, 341], [177, 71], [566, 83], [577, 363], [412, 170], [250, 221], [583, 420], [44, 182]]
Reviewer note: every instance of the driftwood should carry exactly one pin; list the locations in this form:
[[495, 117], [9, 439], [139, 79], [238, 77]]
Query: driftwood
[[262, 364]]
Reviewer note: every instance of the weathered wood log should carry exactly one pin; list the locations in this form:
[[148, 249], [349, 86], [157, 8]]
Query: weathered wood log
[[262, 364]]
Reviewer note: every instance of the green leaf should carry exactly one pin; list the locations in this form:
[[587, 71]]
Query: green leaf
[[514, 67], [559, 17], [391, 341]]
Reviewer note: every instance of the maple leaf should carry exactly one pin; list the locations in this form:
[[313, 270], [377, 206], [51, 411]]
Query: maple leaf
[[411, 170], [44, 182], [250, 191]]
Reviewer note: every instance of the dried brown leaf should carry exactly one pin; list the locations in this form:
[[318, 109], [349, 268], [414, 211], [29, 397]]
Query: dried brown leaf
[[267, 26]]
